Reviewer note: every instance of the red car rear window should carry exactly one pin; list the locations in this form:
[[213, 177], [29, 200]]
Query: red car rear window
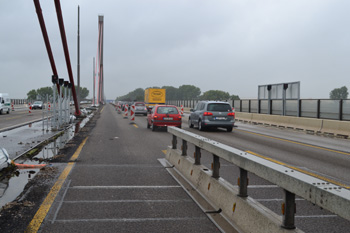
[[167, 110]]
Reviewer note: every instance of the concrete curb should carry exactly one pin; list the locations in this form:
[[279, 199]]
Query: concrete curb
[[246, 213], [338, 128]]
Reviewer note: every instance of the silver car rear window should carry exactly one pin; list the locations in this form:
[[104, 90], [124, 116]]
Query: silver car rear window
[[217, 107]]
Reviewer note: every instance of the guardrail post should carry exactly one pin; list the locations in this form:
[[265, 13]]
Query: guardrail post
[[216, 166], [288, 210], [243, 183], [341, 109], [174, 142], [197, 156], [318, 109], [184, 147], [249, 106]]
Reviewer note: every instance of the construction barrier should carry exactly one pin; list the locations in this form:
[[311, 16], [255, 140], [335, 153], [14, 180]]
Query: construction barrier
[[182, 110], [132, 113], [12, 107], [30, 108], [126, 111], [118, 108], [49, 106]]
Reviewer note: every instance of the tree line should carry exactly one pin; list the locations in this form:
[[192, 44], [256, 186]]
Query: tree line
[[41, 93], [184, 92], [339, 93]]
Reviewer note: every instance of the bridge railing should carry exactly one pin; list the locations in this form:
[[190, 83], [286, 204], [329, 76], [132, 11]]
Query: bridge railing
[[312, 108], [319, 192]]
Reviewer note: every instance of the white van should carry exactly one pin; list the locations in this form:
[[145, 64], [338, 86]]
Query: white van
[[5, 103]]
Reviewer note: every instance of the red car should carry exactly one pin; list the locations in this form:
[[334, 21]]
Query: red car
[[163, 116]]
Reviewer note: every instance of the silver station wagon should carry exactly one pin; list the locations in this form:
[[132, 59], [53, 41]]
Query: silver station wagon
[[212, 114]]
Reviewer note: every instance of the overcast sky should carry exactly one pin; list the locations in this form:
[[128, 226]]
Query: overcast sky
[[228, 45]]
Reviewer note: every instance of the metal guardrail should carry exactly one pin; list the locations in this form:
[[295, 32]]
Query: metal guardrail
[[319, 192]]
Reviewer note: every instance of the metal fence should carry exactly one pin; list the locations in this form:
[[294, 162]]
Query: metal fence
[[313, 108], [20, 101]]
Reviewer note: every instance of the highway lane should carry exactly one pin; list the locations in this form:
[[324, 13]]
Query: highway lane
[[19, 117], [118, 185]]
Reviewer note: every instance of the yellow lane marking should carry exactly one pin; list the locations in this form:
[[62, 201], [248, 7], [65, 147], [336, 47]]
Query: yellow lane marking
[[164, 151], [136, 126], [102, 109], [298, 143], [40, 215], [300, 170], [11, 118], [77, 152]]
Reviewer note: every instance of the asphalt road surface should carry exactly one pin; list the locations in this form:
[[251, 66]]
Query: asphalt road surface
[[118, 185]]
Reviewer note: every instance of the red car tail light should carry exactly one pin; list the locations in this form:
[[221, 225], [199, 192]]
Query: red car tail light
[[231, 114], [207, 114]]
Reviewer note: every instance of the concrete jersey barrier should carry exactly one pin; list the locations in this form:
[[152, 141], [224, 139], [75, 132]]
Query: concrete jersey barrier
[[308, 124]]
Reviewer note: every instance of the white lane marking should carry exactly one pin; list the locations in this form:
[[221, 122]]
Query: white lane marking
[[262, 186], [318, 216], [133, 219], [277, 199], [125, 187], [61, 202], [130, 201], [120, 165]]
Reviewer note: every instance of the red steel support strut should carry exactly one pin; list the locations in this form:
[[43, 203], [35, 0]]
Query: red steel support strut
[[66, 53], [46, 39]]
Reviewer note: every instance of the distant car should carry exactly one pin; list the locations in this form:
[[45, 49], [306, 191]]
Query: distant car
[[213, 114], [38, 104], [163, 116], [5, 103], [140, 108]]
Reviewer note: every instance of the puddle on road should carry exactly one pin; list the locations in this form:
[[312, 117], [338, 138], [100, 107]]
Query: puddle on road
[[12, 187]]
